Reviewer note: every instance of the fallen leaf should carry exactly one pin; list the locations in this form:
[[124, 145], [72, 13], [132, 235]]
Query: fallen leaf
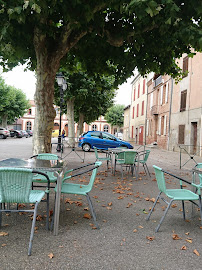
[[3, 233], [109, 208], [150, 238], [110, 204], [196, 252], [176, 237], [140, 227], [3, 245], [50, 255], [189, 240], [146, 199], [128, 205], [187, 233], [87, 215], [152, 200], [183, 248], [135, 230], [174, 205]]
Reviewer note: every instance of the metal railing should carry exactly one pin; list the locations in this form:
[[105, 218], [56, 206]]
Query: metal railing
[[192, 152]]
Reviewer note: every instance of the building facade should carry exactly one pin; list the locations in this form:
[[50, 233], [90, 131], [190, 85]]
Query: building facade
[[27, 122], [138, 110]]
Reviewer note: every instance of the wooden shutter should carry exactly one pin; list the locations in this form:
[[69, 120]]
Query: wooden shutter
[[143, 107], [181, 134], [183, 100]]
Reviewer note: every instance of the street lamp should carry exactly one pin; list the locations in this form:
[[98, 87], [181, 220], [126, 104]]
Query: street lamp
[[63, 86]]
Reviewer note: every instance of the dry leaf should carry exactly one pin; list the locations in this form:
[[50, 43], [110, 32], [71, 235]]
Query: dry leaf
[[129, 204], [135, 230], [183, 248], [187, 233], [189, 240], [174, 205], [87, 215], [3, 233], [50, 255], [150, 238], [196, 252], [110, 204], [176, 237], [140, 227], [146, 199]]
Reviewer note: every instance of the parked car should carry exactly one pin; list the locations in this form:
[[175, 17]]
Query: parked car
[[30, 132], [15, 133], [24, 133], [101, 140], [4, 133]]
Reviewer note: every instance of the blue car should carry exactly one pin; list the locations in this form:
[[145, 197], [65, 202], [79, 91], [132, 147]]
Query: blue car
[[101, 140]]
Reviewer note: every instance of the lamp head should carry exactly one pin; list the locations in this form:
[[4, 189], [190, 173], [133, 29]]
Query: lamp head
[[60, 79]]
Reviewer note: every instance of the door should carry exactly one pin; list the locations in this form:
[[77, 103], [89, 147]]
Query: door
[[141, 130], [194, 137]]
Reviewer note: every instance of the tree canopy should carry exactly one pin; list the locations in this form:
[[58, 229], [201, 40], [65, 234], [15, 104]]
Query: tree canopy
[[13, 103], [114, 115], [148, 34]]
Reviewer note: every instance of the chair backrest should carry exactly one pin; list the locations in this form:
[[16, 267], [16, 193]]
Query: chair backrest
[[146, 155], [93, 175], [15, 185], [160, 179], [199, 166], [129, 157], [96, 153], [47, 156]]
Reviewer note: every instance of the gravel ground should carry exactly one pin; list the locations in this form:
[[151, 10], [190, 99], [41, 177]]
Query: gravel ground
[[125, 239]]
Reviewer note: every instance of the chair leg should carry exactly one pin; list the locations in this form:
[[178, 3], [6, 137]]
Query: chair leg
[[157, 228], [153, 206], [200, 205], [122, 171], [183, 210], [92, 210], [32, 229], [148, 169], [47, 212]]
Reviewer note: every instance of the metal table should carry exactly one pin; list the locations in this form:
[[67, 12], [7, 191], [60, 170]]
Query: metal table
[[58, 166], [114, 151]]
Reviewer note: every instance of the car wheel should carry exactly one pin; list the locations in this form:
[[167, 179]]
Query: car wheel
[[4, 137], [86, 147], [1, 136]]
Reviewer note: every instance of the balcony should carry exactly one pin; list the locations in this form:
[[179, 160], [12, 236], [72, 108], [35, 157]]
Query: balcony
[[158, 81], [155, 110]]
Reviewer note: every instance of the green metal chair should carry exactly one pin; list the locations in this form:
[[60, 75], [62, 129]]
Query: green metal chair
[[39, 179], [70, 188], [173, 194], [143, 157], [15, 187], [198, 186], [107, 158], [126, 159]]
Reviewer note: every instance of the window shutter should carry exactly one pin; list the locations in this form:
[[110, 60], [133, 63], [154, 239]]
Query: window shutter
[[151, 100], [166, 99], [165, 121], [161, 97], [147, 132], [160, 125]]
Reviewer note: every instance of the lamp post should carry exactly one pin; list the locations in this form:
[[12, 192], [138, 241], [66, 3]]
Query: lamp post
[[63, 86]]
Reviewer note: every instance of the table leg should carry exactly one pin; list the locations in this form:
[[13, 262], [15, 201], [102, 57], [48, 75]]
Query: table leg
[[57, 204]]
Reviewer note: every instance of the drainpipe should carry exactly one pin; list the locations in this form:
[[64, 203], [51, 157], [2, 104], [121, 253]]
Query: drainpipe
[[145, 130], [171, 95]]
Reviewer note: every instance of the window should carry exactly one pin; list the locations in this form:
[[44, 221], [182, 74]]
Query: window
[[138, 93], [134, 94], [107, 137], [29, 111], [132, 132], [181, 134], [133, 112], [28, 125], [137, 110], [106, 128], [143, 92], [185, 66], [94, 127], [164, 95], [143, 107], [95, 134], [183, 100]]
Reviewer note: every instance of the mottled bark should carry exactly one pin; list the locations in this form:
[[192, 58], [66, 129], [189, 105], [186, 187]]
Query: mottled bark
[[4, 119], [80, 124], [70, 117]]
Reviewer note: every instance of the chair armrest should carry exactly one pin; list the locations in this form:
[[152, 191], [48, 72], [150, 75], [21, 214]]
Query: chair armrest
[[67, 172], [44, 174], [177, 177]]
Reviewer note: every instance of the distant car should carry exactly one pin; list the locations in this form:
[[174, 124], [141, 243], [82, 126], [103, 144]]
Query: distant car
[[30, 132], [4, 133], [24, 133], [101, 140], [55, 133], [15, 133]]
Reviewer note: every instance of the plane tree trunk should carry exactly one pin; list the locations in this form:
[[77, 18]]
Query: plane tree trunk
[[70, 117]]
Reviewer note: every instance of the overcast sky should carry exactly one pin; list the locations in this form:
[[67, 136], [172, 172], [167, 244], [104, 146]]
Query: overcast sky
[[26, 81]]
